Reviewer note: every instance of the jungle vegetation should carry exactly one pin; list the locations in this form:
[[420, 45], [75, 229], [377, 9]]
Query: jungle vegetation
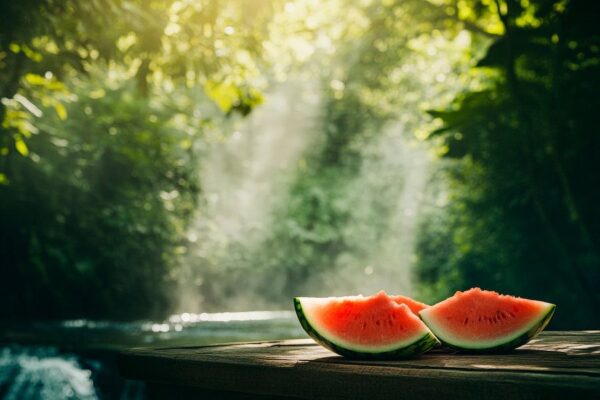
[[111, 110]]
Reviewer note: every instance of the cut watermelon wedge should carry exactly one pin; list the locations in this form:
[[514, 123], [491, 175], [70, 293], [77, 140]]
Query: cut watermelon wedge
[[415, 306], [376, 327], [484, 321]]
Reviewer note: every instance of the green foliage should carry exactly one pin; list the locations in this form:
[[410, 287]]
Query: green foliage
[[160, 42], [118, 184], [110, 108], [100, 126], [521, 215], [330, 232]]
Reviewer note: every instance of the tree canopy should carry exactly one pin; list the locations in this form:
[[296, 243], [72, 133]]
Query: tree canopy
[[450, 144]]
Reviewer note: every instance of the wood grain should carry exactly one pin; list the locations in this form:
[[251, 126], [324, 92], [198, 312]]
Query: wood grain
[[552, 366]]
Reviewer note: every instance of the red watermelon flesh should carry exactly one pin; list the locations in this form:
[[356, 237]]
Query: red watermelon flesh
[[357, 325], [481, 319], [415, 306]]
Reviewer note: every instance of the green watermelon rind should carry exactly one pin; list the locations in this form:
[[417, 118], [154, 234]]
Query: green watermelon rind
[[510, 342], [419, 346]]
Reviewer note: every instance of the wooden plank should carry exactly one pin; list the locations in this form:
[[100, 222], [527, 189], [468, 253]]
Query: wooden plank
[[555, 365]]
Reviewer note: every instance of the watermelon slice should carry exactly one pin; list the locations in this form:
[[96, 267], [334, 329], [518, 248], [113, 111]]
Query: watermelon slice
[[484, 321], [376, 327], [415, 306]]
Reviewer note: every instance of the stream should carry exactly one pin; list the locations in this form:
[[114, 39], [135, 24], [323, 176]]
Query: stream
[[76, 359]]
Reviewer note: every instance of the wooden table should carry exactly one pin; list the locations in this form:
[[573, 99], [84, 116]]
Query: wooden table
[[556, 365]]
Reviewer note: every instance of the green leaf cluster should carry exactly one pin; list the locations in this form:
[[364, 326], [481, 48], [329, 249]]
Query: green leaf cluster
[[521, 211]]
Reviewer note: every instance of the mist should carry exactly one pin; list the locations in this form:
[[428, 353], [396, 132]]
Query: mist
[[244, 175], [246, 178], [278, 218]]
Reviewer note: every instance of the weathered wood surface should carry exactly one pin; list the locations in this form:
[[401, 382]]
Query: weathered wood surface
[[553, 366]]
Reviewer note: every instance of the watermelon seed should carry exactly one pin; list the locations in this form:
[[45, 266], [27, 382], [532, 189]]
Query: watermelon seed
[[364, 325], [466, 321]]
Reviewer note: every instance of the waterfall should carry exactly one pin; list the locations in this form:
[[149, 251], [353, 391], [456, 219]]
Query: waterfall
[[42, 373]]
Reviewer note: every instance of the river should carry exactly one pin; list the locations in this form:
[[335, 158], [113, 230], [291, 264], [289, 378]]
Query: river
[[76, 359]]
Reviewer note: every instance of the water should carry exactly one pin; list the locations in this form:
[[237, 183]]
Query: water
[[43, 373], [75, 359]]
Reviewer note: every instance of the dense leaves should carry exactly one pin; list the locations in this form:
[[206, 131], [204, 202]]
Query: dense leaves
[[128, 189], [101, 120], [522, 215]]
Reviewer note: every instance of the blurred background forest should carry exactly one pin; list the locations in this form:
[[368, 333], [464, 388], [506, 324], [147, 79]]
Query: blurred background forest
[[163, 156]]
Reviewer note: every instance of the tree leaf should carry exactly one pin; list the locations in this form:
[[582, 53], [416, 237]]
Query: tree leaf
[[21, 147], [223, 94], [61, 111]]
